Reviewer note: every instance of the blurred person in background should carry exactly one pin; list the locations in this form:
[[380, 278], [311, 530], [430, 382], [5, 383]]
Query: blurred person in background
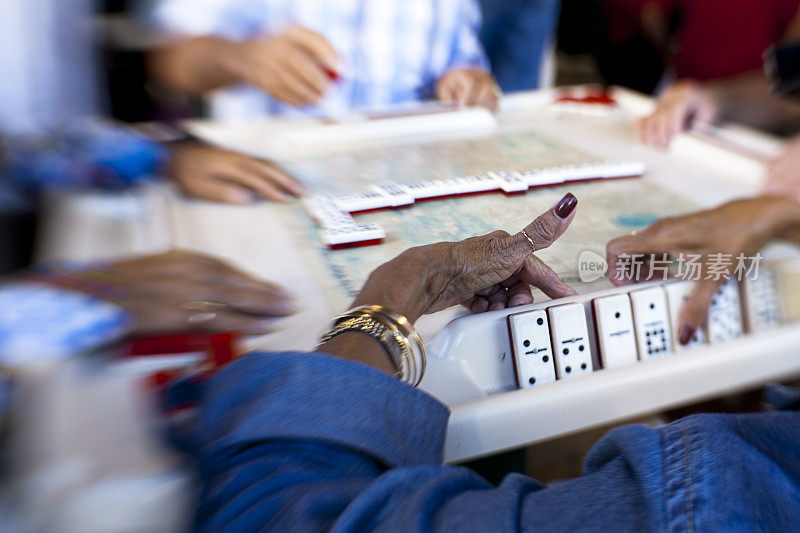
[[701, 40], [714, 50], [718, 60], [256, 57], [744, 99], [50, 104]]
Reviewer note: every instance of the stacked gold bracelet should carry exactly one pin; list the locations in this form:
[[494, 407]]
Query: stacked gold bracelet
[[395, 333]]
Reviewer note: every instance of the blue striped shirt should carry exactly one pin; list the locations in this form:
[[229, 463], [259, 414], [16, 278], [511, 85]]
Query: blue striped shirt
[[392, 51]]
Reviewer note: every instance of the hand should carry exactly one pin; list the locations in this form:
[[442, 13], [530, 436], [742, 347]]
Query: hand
[[182, 291], [490, 272], [783, 172], [468, 86], [224, 176], [295, 67], [739, 227], [682, 105]]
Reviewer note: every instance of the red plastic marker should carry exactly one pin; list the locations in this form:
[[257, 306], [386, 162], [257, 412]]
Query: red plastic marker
[[593, 96]]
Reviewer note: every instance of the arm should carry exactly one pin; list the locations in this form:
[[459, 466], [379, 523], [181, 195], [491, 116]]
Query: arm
[[198, 65], [310, 442], [307, 442], [204, 39], [296, 66], [303, 429], [747, 99]]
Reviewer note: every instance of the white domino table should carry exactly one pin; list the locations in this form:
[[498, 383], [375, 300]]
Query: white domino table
[[472, 377]]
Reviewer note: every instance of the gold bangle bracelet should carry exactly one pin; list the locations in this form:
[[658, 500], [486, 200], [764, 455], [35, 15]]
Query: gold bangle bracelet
[[418, 359], [396, 334], [392, 343], [407, 363]]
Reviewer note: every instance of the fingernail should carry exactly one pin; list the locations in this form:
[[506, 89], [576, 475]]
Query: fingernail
[[566, 205], [333, 74], [686, 333]]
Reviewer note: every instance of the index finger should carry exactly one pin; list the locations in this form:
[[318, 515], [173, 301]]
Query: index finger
[[316, 45], [694, 310], [543, 231]]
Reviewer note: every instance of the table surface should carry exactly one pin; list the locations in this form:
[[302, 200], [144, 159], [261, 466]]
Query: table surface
[[100, 226]]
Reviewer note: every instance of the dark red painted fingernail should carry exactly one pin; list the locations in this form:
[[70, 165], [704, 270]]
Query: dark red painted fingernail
[[332, 74], [566, 205], [686, 333]]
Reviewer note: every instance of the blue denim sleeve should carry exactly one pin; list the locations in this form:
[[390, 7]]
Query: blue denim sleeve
[[308, 442]]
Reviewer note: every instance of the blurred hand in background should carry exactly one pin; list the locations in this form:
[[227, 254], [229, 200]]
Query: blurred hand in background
[[680, 107], [221, 175], [296, 67], [468, 87], [739, 228], [181, 291]]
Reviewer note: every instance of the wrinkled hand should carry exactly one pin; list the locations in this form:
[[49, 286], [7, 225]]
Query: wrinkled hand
[[738, 227], [295, 67], [220, 175], [468, 87], [183, 291], [783, 172], [679, 108], [490, 272]]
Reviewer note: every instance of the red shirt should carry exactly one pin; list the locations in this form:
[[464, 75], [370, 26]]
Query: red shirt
[[721, 38]]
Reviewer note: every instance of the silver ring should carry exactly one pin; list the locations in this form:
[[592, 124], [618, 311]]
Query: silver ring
[[199, 318]]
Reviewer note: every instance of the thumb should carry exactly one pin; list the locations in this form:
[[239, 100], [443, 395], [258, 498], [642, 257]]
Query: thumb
[[543, 231]]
